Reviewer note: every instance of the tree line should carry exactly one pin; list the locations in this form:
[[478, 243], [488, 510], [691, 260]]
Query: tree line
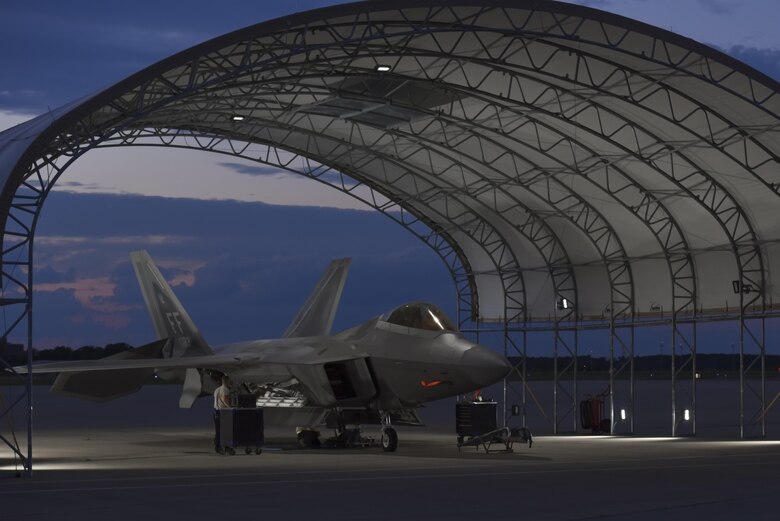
[[59, 353], [705, 362]]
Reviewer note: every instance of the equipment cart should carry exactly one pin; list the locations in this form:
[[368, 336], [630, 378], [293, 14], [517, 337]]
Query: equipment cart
[[592, 413], [241, 427], [476, 426]]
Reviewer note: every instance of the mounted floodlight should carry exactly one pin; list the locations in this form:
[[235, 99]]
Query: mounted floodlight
[[622, 414], [564, 303], [738, 287], [383, 68], [687, 415], [237, 117]]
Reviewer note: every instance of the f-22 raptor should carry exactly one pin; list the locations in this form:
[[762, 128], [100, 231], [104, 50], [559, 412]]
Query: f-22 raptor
[[376, 373]]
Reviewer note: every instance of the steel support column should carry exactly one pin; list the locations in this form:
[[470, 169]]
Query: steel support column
[[623, 338], [515, 345], [752, 358], [683, 378], [566, 340]]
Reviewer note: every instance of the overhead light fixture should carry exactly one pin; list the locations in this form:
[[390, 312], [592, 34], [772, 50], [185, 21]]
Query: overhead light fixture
[[237, 117], [564, 303], [738, 287], [687, 415], [383, 68], [622, 414]]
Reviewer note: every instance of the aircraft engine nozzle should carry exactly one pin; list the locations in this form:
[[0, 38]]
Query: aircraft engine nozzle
[[485, 366]]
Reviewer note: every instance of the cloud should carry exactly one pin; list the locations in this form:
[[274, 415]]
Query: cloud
[[256, 170], [136, 38], [27, 102], [765, 60], [272, 171], [719, 7], [241, 270], [70, 51], [70, 240], [195, 174], [90, 293], [62, 320], [594, 3], [10, 119]]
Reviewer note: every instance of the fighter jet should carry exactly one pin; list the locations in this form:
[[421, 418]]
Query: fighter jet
[[379, 372]]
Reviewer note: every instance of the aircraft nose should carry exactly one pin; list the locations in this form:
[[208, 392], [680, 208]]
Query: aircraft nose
[[485, 366]]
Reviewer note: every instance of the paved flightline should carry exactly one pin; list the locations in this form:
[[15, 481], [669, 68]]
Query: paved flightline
[[168, 472]]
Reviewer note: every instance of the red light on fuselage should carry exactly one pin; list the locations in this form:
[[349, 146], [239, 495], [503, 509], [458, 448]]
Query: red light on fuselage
[[430, 383]]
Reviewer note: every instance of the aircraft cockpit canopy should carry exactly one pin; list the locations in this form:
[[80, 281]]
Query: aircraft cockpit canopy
[[420, 315]]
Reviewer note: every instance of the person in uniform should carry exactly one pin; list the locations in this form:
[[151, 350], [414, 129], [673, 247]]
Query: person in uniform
[[221, 401]]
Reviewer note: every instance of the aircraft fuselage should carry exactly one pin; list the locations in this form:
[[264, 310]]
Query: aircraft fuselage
[[397, 367]]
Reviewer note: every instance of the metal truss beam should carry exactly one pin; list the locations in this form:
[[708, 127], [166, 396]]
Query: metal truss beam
[[450, 206], [16, 297], [521, 77]]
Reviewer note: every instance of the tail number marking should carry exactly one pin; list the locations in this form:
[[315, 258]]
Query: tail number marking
[[174, 319]]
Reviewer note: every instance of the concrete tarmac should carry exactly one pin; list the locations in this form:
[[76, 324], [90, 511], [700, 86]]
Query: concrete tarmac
[[155, 469]]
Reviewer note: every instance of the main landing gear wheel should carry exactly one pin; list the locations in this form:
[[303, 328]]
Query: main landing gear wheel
[[389, 439]]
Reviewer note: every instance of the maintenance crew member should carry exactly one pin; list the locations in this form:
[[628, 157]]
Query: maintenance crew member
[[221, 401]]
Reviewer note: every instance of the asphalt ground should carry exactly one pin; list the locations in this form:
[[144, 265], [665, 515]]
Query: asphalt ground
[[105, 462], [170, 473]]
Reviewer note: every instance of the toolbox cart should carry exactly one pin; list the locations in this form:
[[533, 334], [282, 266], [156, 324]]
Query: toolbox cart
[[241, 427]]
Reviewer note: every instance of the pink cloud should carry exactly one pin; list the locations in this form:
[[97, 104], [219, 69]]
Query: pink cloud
[[84, 290], [187, 269]]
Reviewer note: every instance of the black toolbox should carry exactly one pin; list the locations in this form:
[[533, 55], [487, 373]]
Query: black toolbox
[[241, 428]]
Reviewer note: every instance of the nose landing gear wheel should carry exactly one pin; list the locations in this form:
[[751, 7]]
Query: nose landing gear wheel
[[389, 439]]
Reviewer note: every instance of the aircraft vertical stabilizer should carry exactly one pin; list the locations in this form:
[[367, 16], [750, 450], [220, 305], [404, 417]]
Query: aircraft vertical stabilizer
[[168, 315], [171, 322], [315, 318]]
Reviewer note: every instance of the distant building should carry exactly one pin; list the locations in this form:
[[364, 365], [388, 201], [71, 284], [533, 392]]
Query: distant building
[[9, 351]]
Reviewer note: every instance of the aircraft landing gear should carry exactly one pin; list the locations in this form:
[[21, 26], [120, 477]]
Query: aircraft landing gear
[[389, 439], [352, 437]]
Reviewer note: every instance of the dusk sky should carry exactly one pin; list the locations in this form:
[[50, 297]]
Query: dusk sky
[[243, 247]]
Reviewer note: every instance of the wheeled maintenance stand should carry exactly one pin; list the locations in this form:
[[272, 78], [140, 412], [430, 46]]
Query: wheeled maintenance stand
[[241, 428], [476, 426]]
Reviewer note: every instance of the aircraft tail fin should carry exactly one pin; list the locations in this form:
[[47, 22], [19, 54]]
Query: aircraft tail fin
[[168, 315], [172, 322], [315, 318]]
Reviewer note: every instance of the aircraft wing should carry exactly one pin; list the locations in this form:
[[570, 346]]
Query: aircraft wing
[[105, 364], [224, 363], [338, 378]]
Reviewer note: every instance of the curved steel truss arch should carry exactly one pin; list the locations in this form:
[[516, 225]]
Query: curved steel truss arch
[[491, 120]]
